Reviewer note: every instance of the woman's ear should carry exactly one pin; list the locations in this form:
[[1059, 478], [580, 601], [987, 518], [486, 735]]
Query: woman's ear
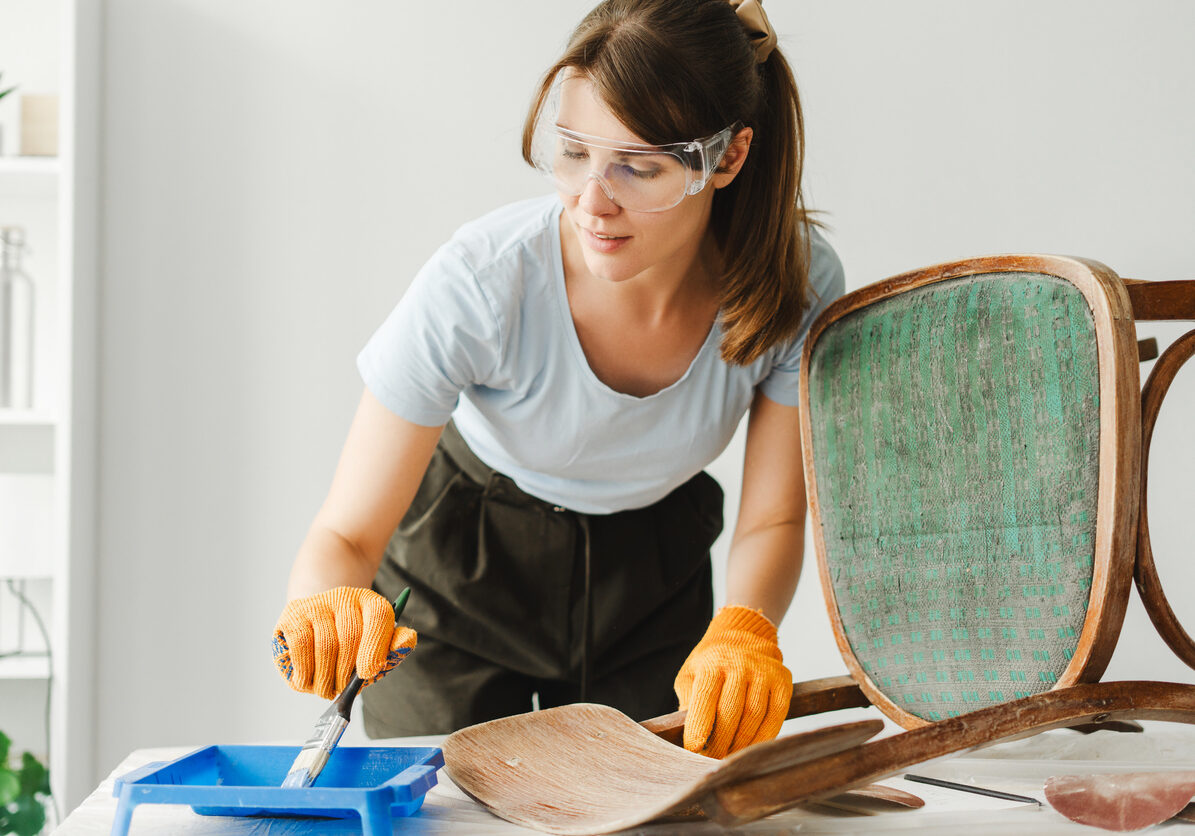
[[733, 159]]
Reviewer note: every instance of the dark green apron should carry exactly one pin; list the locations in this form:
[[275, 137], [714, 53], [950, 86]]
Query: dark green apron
[[513, 596]]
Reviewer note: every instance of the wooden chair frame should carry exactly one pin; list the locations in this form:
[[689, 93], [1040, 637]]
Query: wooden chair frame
[[1127, 422], [1119, 452], [1078, 700], [1160, 300]]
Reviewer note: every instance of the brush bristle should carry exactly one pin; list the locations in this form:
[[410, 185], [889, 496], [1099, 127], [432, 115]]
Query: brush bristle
[[298, 778], [300, 771]]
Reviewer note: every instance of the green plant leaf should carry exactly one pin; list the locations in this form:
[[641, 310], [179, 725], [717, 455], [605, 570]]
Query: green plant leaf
[[35, 778], [28, 818], [10, 786], [4, 744]]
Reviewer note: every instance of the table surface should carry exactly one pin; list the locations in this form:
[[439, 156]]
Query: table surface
[[1019, 767]]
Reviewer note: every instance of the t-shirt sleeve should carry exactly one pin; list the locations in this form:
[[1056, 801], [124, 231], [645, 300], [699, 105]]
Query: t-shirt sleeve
[[828, 282], [441, 337]]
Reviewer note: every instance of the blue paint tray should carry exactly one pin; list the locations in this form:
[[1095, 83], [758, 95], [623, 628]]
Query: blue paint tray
[[375, 783]]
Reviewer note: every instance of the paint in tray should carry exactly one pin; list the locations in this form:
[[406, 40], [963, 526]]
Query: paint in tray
[[373, 782]]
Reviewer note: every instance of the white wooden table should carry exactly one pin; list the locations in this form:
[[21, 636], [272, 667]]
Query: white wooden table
[[1019, 767]]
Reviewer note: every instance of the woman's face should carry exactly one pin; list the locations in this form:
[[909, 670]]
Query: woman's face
[[616, 243]]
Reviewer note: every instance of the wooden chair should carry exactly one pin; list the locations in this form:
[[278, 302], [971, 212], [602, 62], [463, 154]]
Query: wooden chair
[[897, 389], [975, 467], [975, 441], [976, 444]]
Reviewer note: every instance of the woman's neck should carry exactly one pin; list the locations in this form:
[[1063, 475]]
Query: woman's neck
[[640, 334], [661, 292]]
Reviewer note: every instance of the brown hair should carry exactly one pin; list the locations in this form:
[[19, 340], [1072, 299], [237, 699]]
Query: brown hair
[[672, 70]]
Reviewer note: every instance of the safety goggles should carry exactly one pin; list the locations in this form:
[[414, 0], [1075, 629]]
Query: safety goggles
[[642, 178]]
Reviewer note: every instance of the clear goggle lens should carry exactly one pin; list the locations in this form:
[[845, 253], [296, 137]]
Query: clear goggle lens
[[642, 178]]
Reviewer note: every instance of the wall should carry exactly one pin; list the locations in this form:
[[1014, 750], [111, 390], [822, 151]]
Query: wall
[[274, 173]]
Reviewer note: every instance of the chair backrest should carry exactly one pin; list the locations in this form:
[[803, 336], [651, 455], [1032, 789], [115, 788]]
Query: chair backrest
[[972, 438]]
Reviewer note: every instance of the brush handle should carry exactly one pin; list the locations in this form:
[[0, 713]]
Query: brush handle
[[344, 702]]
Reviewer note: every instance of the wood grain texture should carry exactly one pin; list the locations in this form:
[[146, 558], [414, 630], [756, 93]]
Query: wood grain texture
[[1147, 349], [588, 769], [1092, 702], [1161, 300], [875, 798]]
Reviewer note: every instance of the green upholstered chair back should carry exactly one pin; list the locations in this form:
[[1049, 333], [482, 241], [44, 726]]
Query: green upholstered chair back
[[972, 439]]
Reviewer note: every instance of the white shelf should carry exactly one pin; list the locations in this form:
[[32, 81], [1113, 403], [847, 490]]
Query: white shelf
[[48, 454], [36, 574], [35, 177], [25, 667], [26, 418], [40, 166]]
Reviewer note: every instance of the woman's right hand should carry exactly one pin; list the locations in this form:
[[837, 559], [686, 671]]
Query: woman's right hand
[[321, 640]]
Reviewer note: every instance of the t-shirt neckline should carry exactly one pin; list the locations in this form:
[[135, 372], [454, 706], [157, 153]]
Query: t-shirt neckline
[[574, 340]]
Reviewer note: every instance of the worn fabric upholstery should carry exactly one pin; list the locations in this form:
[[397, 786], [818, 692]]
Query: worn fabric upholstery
[[955, 432]]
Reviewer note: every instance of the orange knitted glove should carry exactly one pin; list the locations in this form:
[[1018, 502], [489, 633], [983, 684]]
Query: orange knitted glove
[[733, 684], [322, 639]]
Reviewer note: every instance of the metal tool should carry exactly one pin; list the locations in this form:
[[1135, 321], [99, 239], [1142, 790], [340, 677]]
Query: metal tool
[[331, 725], [951, 785]]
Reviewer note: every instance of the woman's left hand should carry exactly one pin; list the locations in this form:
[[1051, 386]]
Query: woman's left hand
[[734, 684]]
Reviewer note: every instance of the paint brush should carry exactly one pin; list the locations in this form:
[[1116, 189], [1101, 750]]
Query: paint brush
[[331, 724]]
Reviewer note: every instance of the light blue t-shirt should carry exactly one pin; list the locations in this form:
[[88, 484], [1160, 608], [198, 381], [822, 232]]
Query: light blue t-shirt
[[484, 336]]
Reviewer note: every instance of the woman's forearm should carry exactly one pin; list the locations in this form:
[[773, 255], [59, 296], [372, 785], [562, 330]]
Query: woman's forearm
[[764, 567], [326, 560]]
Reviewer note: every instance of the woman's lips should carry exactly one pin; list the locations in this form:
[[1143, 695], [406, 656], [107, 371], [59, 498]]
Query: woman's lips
[[603, 245]]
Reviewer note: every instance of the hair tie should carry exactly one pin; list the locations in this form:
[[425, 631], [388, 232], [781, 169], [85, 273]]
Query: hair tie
[[759, 30]]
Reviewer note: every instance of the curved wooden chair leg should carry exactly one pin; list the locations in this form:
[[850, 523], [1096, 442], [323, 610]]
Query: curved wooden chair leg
[[1149, 585], [1096, 702]]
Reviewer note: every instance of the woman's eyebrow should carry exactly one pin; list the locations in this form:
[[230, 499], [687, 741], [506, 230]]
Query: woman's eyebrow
[[646, 147], [637, 155]]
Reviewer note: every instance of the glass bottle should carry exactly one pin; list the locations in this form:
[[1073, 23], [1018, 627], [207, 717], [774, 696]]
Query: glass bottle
[[16, 323]]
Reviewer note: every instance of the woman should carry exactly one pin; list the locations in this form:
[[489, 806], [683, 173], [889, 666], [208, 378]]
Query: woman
[[527, 455]]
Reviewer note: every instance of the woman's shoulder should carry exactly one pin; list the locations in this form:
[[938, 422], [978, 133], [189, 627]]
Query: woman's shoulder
[[500, 262], [520, 231], [826, 277]]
